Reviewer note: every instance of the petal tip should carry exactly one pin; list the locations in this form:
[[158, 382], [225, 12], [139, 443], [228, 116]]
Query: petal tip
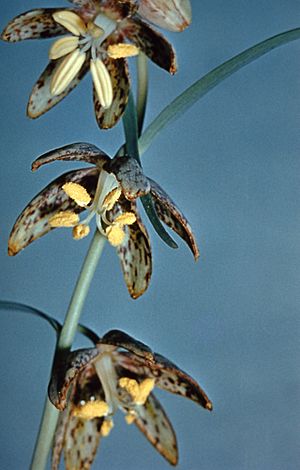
[[13, 249], [209, 406]]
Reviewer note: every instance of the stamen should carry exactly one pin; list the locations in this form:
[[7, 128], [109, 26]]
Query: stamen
[[70, 21], [106, 427], [67, 70], [102, 82], [94, 30], [138, 392], [92, 409], [119, 51], [64, 219], [115, 235], [78, 193], [130, 418], [127, 218], [111, 198], [80, 231], [63, 47]]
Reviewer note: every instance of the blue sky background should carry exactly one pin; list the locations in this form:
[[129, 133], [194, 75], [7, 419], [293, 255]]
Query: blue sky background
[[231, 320]]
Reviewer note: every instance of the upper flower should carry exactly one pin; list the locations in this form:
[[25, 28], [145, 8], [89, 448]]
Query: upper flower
[[118, 373], [108, 192], [96, 38]]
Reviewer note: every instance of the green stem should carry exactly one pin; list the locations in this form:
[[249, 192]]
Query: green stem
[[50, 414], [142, 89]]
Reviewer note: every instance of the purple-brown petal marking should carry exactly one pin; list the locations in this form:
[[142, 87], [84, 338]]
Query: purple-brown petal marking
[[130, 176], [34, 24], [173, 15], [59, 437], [169, 213], [135, 257], [41, 99], [81, 442], [118, 10], [123, 340], [118, 71], [152, 43], [171, 378], [66, 372], [33, 222], [80, 151], [154, 423]]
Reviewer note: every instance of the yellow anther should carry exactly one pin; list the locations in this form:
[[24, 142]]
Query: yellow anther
[[78, 193], [70, 21], [80, 231], [64, 219], [67, 71], [94, 30], [102, 82], [138, 392], [130, 418], [127, 218], [91, 409], [118, 51], [106, 427], [115, 234], [111, 198], [63, 47]]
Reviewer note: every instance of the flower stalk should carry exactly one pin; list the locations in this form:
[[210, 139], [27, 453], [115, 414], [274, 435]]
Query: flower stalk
[[64, 343]]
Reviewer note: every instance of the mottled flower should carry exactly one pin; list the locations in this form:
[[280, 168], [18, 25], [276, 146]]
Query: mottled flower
[[118, 373], [108, 192], [95, 35]]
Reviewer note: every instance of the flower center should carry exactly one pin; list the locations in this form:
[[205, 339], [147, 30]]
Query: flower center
[[107, 195]]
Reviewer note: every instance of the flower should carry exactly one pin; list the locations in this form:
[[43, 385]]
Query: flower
[[108, 191], [118, 373], [96, 34]]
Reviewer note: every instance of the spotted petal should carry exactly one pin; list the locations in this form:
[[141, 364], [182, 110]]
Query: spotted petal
[[130, 176], [33, 222], [120, 9], [152, 43], [80, 151], [174, 15], [135, 256], [41, 99], [118, 71], [169, 213], [154, 423], [123, 340], [65, 372], [59, 437], [34, 24]]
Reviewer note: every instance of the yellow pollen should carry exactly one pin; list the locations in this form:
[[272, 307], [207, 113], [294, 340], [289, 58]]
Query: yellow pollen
[[106, 427], [119, 51], [80, 231], [111, 198], [139, 392], [94, 30], [127, 218], [78, 193], [64, 219], [92, 409], [115, 234], [130, 418]]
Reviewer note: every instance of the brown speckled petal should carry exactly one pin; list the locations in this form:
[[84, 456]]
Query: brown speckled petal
[[135, 257], [66, 372], [59, 437], [33, 222], [174, 15], [169, 213], [123, 340], [154, 423], [119, 10], [79, 151], [41, 99], [34, 24], [152, 43], [130, 176], [118, 70]]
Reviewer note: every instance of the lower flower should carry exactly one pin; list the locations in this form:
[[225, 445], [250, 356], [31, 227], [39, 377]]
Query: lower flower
[[118, 373]]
